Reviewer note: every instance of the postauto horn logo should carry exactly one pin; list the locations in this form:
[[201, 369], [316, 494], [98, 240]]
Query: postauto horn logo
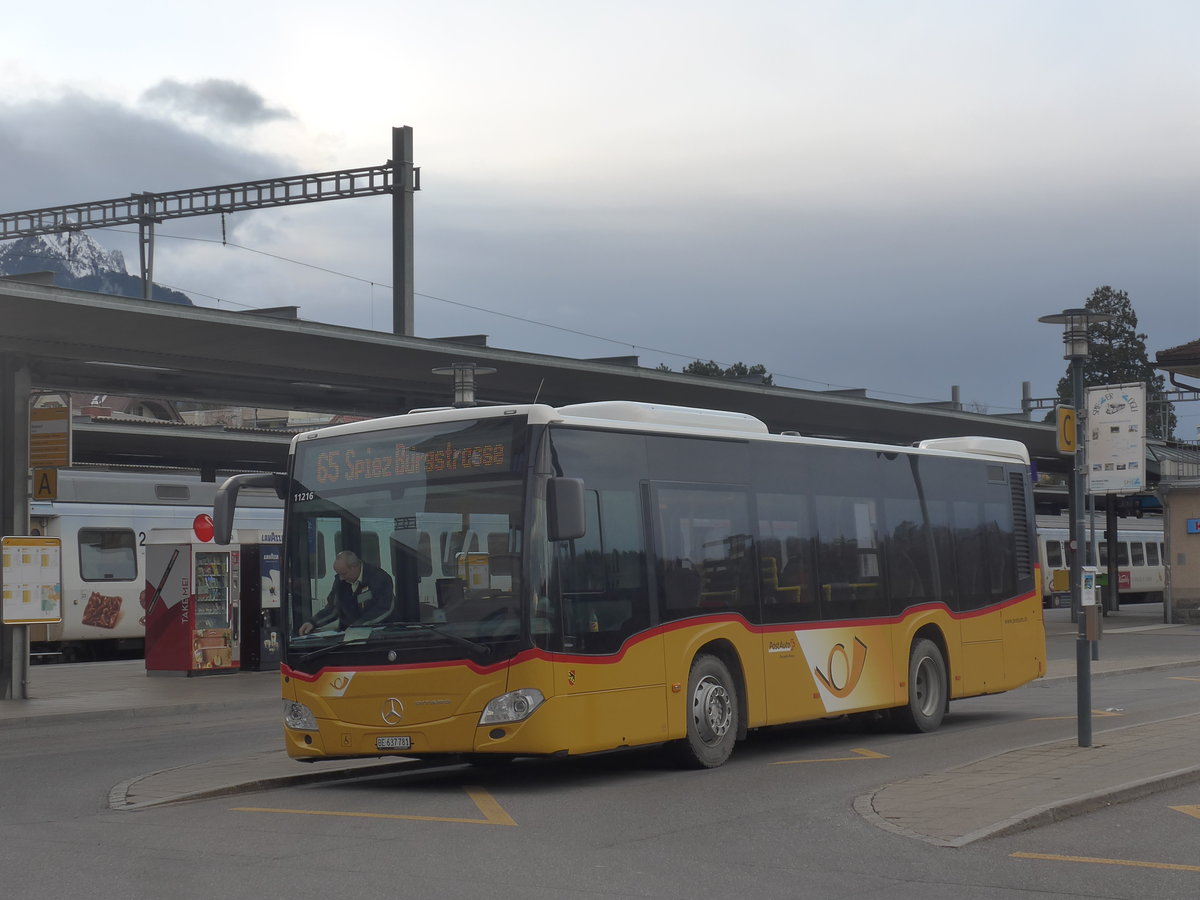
[[843, 670]]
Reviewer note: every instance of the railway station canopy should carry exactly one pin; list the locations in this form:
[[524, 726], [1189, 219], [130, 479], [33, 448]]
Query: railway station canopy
[[1182, 360], [76, 341]]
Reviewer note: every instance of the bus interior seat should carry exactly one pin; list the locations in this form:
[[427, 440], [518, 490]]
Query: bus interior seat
[[794, 572], [501, 559], [450, 593], [770, 549], [681, 587], [452, 545], [425, 555], [369, 551]]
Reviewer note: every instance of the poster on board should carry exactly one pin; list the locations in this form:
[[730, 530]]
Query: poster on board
[[1116, 433], [32, 580]]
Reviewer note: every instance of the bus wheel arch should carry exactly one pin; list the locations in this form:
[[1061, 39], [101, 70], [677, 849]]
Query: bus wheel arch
[[715, 700], [928, 683]]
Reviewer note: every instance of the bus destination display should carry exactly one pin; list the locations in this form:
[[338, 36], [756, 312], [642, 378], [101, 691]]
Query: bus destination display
[[407, 455]]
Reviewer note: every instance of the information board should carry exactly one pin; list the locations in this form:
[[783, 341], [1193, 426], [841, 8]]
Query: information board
[[32, 580], [1116, 445], [50, 437]]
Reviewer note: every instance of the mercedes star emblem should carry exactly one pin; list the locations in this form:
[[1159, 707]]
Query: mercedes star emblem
[[392, 712]]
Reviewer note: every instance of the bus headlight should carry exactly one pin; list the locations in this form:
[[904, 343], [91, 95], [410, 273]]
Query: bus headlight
[[512, 707], [298, 716]]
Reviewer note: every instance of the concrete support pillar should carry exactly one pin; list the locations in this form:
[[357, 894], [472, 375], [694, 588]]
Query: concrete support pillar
[[14, 508]]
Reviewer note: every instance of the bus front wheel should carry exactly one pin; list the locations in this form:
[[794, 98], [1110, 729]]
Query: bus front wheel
[[928, 689], [712, 714]]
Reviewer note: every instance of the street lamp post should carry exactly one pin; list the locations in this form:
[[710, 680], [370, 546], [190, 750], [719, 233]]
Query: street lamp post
[[464, 380], [1075, 324]]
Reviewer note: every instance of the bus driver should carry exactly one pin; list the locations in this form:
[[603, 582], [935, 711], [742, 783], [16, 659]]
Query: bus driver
[[361, 595]]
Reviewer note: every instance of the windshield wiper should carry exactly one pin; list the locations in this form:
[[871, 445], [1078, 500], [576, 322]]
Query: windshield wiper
[[329, 648], [481, 649]]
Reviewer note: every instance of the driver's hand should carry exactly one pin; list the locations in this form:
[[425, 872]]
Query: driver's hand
[[306, 627]]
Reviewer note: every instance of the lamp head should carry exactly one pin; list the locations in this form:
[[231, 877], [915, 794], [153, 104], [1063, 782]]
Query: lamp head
[[1075, 323]]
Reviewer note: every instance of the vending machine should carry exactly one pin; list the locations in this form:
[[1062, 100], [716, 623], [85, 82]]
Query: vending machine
[[191, 604], [262, 622]]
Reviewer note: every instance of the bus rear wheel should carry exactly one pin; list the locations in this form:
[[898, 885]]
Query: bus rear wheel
[[712, 715], [928, 688]]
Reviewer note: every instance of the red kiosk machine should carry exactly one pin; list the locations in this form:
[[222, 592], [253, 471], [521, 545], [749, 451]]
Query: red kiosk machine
[[191, 601]]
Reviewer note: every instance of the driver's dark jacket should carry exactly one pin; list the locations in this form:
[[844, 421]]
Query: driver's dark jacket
[[366, 602]]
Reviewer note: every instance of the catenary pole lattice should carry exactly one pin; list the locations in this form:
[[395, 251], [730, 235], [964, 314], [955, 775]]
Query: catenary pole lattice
[[145, 209]]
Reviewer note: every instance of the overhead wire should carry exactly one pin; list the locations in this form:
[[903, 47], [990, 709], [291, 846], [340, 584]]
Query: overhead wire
[[634, 346]]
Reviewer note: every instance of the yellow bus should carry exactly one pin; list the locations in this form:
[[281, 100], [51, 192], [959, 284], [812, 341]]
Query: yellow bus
[[544, 581]]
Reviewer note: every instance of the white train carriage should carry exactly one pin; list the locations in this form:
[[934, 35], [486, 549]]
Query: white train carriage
[[1141, 557], [104, 520]]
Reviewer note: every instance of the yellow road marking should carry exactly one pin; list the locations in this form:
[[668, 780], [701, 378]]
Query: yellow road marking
[[1137, 863], [859, 754], [1096, 713], [493, 813], [1188, 810], [1183, 678]]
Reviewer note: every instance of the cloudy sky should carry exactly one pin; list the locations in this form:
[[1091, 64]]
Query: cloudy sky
[[883, 195]]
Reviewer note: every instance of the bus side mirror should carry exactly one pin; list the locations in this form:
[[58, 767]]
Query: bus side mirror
[[564, 509], [225, 502]]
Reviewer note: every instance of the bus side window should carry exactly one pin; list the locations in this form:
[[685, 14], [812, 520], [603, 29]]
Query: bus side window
[[706, 554], [848, 557]]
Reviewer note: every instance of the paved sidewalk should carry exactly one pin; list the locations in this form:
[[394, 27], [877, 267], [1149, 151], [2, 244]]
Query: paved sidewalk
[[1033, 786], [83, 691], [1017, 789], [1037, 785]]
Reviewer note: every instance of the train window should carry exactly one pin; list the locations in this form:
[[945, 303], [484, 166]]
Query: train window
[[1054, 554], [1137, 554], [1122, 553], [107, 554], [1152, 556]]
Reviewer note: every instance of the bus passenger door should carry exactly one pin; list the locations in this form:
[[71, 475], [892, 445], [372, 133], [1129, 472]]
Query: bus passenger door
[[609, 670]]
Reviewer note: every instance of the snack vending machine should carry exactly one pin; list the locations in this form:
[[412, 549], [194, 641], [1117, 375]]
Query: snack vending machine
[[191, 603]]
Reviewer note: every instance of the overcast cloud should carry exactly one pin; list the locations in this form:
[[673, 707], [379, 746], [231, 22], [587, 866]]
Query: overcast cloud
[[214, 99], [869, 194]]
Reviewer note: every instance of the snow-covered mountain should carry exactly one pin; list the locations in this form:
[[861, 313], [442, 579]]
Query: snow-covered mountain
[[78, 262]]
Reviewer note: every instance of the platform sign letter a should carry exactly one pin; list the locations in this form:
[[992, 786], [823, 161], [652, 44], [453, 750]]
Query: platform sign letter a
[[45, 484]]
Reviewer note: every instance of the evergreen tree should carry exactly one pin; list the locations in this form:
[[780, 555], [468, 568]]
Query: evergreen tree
[[1117, 355], [713, 369]]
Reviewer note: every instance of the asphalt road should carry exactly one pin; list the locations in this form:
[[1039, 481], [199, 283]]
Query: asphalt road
[[776, 821]]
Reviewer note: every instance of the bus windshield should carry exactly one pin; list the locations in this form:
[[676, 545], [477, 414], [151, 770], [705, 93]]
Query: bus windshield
[[408, 538]]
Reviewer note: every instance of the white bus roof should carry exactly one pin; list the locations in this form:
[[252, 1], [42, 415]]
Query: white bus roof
[[660, 414], [647, 416], [982, 445]]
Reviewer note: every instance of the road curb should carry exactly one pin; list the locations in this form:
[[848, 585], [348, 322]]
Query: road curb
[[118, 797], [1084, 803]]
